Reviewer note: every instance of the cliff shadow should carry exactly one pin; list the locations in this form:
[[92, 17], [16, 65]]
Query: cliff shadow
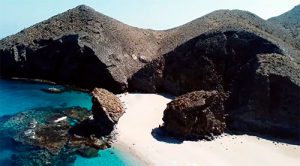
[[65, 60], [229, 62], [162, 136]]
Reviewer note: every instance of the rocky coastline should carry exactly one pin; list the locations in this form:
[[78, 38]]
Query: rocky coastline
[[55, 135], [230, 71]]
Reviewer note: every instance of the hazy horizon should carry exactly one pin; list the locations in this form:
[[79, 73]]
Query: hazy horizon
[[154, 14]]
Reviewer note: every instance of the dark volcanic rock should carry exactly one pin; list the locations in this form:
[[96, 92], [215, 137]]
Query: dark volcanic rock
[[80, 47], [199, 114], [88, 152], [88, 49], [107, 109], [269, 98], [42, 158], [44, 135], [253, 60], [64, 60], [206, 62], [261, 79]]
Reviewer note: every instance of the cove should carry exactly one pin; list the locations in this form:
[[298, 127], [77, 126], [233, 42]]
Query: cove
[[21, 96]]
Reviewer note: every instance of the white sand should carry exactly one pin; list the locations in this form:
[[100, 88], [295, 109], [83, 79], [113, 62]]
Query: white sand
[[145, 111]]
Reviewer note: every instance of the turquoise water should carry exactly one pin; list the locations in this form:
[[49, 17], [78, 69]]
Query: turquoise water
[[110, 156], [18, 96]]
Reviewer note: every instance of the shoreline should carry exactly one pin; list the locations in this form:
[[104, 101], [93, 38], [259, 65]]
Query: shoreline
[[48, 82], [138, 135], [134, 156]]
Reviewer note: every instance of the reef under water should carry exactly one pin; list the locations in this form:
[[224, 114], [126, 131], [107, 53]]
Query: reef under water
[[35, 124]]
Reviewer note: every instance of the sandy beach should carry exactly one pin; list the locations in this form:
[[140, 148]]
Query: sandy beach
[[138, 134]]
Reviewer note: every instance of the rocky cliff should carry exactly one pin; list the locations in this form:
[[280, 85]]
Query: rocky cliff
[[88, 49], [80, 47], [253, 61]]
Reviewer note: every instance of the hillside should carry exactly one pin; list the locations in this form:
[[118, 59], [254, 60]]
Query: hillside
[[233, 20], [85, 48], [100, 49], [290, 21]]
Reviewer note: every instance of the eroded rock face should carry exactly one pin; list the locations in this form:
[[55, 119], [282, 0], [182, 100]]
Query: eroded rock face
[[265, 99], [207, 62], [80, 47], [66, 60], [261, 81], [85, 48], [107, 109], [106, 106], [199, 114]]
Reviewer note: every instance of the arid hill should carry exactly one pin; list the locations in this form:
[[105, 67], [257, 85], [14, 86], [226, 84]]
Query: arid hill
[[85, 48], [253, 61], [290, 21], [80, 47]]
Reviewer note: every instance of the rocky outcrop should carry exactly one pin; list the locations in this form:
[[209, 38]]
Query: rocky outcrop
[[107, 109], [42, 136], [198, 114], [262, 80], [85, 48], [80, 47], [207, 62], [269, 98], [253, 60]]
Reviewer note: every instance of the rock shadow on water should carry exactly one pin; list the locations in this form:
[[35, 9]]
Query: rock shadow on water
[[161, 135]]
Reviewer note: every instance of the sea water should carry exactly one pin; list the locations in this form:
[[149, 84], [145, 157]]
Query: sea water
[[19, 96]]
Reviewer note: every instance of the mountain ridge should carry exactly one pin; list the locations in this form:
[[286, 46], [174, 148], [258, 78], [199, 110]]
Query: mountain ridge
[[290, 21], [255, 62], [121, 49]]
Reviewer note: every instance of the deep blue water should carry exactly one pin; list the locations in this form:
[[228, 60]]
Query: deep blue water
[[18, 96]]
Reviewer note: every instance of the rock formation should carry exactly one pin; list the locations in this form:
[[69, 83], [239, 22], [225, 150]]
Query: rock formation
[[232, 62], [107, 109], [88, 49], [206, 62], [41, 136], [267, 100], [199, 114], [254, 61], [80, 47]]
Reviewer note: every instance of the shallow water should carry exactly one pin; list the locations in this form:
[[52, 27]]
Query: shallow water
[[19, 96]]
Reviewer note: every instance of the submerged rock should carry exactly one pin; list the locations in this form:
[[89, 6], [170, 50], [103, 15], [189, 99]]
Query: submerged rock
[[198, 114], [88, 152], [44, 134], [226, 50], [42, 158]]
